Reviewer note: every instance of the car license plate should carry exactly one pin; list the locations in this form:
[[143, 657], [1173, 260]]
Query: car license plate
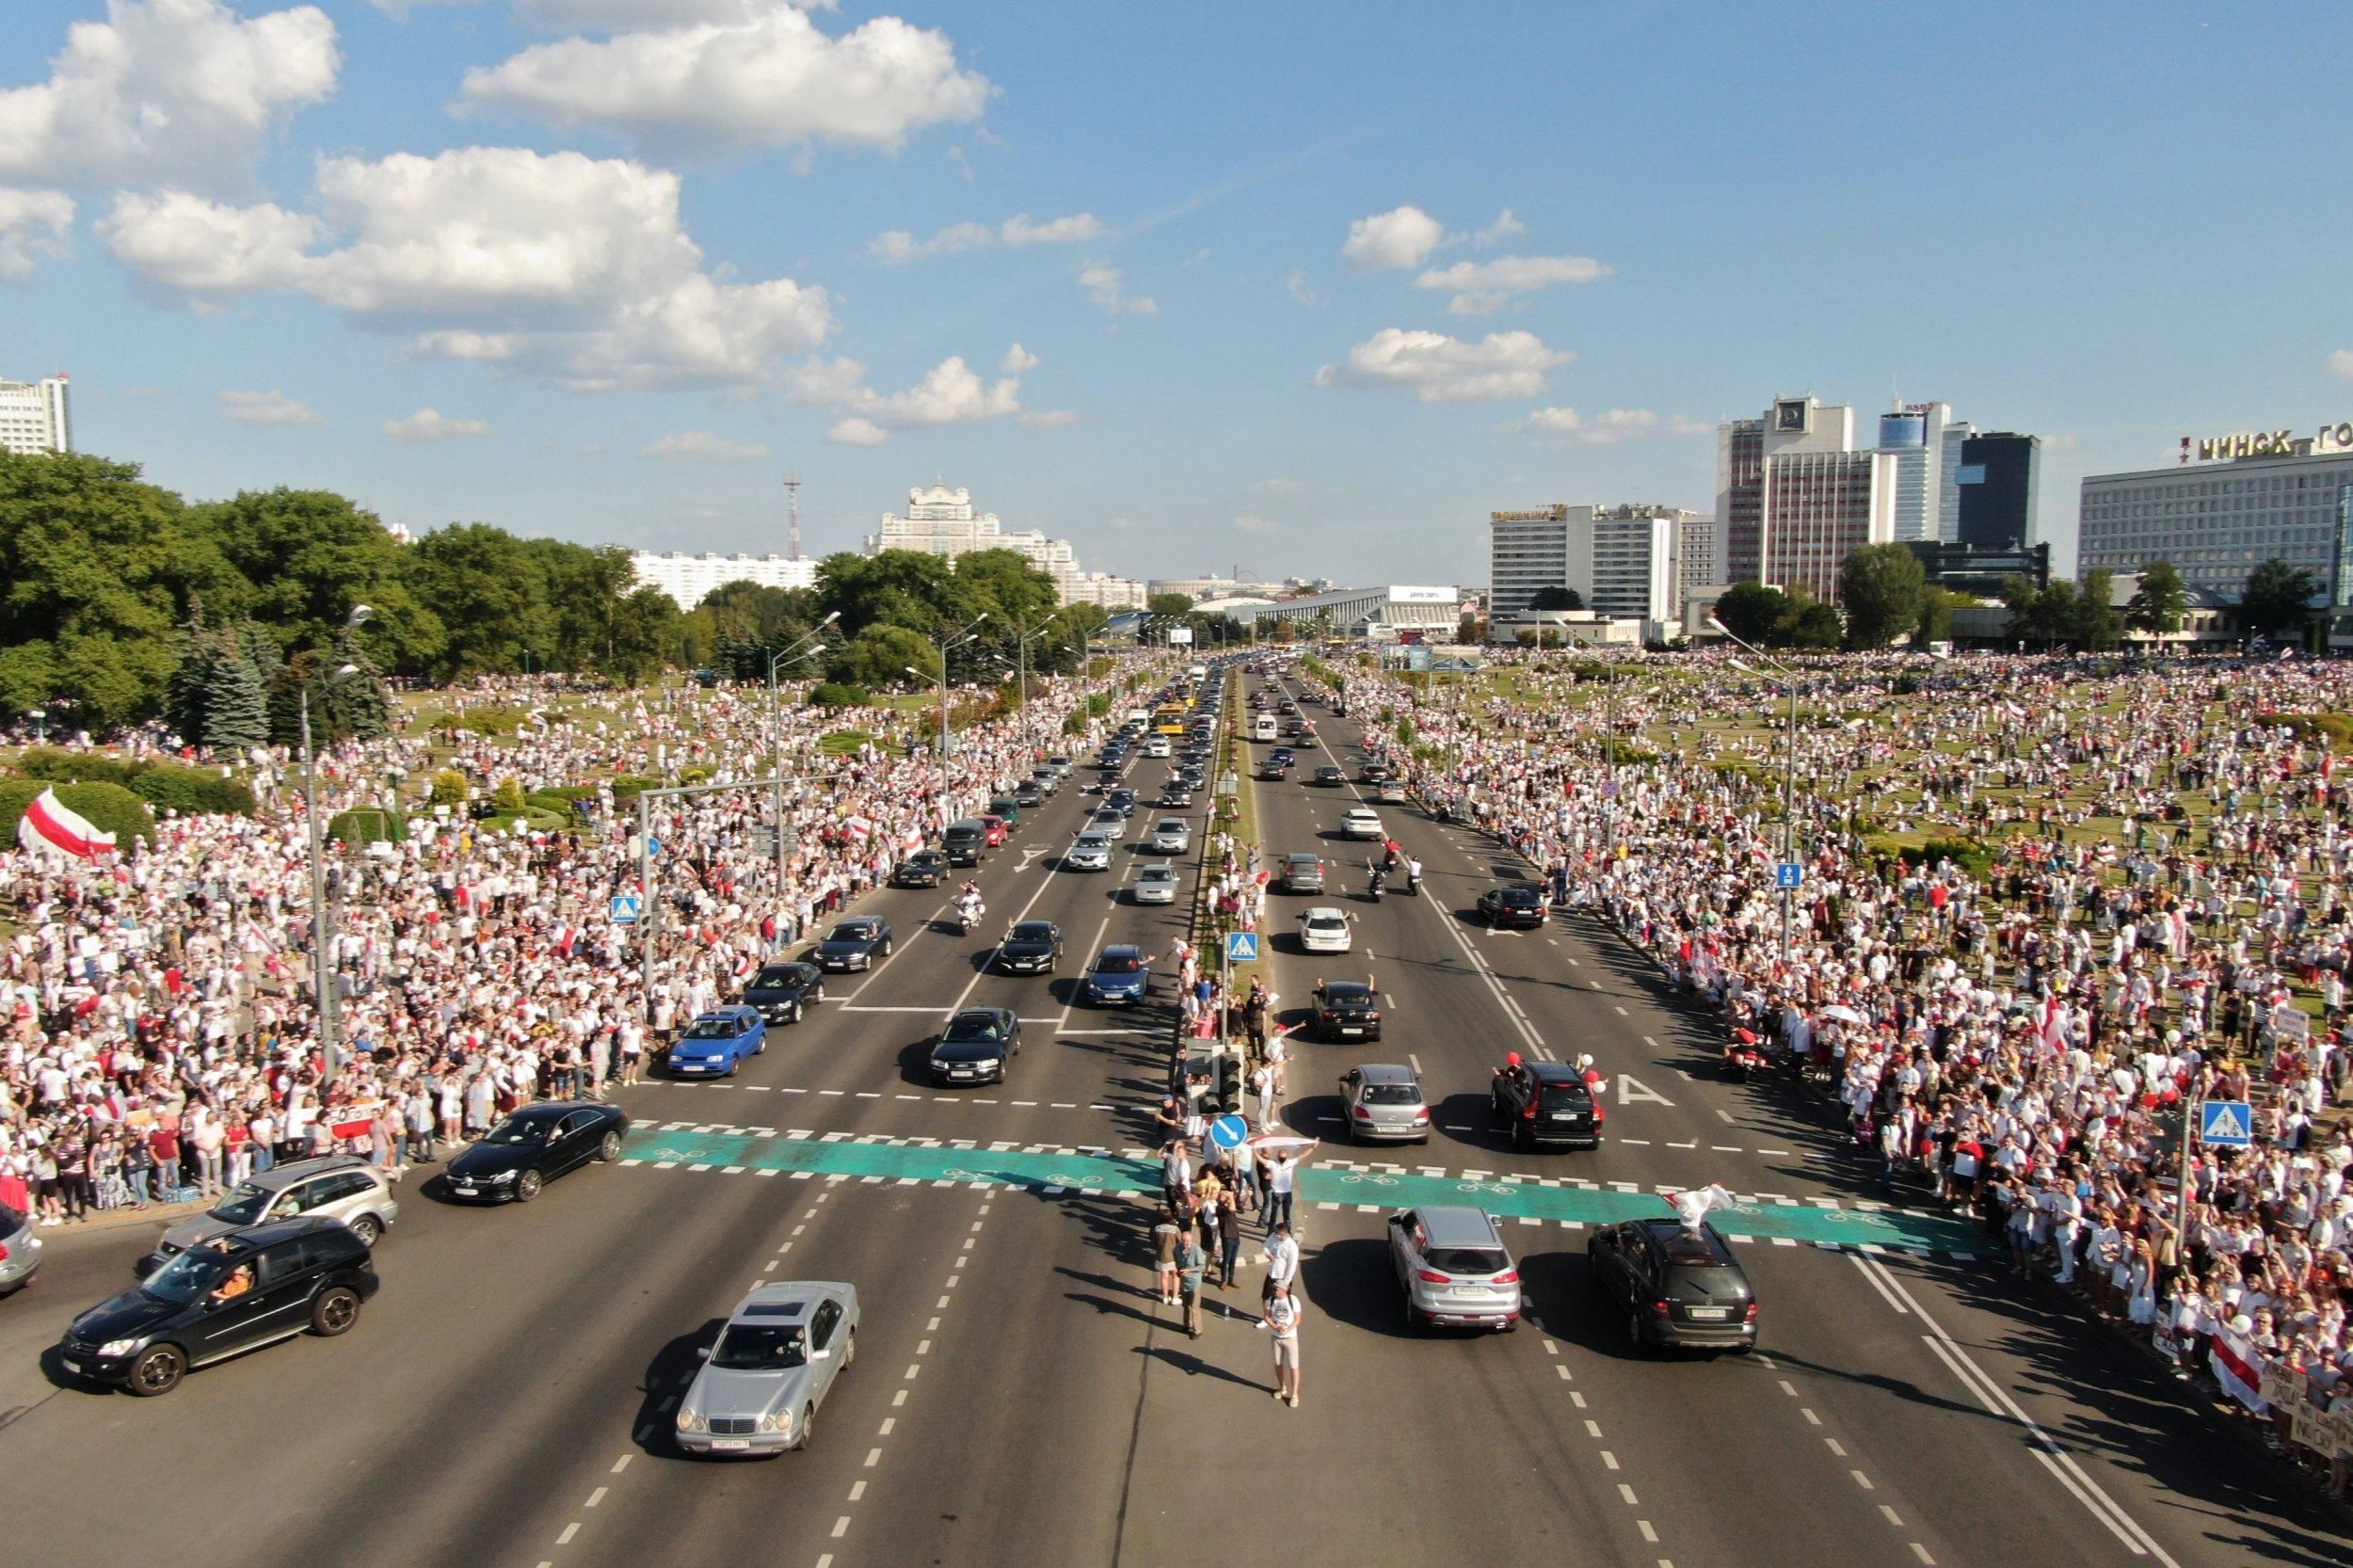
[[731, 1443], [1351, 1028], [74, 1366], [1710, 1313], [1564, 1115]]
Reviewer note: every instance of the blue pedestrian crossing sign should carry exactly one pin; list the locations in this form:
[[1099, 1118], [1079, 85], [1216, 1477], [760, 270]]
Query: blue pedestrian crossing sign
[[1241, 947], [625, 908], [1227, 1132], [2226, 1124], [1788, 875]]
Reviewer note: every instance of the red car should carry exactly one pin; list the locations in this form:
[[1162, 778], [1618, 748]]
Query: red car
[[996, 827]]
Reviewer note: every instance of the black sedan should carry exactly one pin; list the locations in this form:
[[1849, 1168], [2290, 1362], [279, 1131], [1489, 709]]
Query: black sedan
[[1677, 1285], [1345, 1010], [975, 1046], [534, 1146], [1031, 946], [924, 869], [854, 944], [782, 992], [222, 1297], [1513, 905]]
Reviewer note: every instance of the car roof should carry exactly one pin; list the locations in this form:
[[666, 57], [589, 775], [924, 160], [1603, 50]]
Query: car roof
[[1387, 1072], [1157, 873], [1123, 950], [1346, 988], [1324, 912], [734, 1012], [1041, 927], [982, 1015], [1095, 836], [789, 1293], [1699, 1248], [860, 922], [278, 1177], [1295, 859], [1515, 887], [1458, 1225], [1555, 1072]]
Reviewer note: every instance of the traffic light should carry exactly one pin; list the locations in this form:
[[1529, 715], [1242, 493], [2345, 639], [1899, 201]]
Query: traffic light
[[1229, 1082]]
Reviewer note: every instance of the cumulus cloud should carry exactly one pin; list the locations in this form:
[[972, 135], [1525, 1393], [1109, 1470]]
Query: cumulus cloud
[[901, 246], [1481, 287], [1250, 525], [768, 79], [702, 446], [431, 424], [33, 224], [1607, 429], [636, 13], [178, 93], [1441, 369], [1503, 228], [1018, 362], [2341, 363], [266, 408], [854, 431], [567, 269], [1399, 238], [952, 394], [1102, 285]]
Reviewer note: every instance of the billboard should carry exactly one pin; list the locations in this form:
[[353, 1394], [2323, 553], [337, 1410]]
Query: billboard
[[1179, 635]]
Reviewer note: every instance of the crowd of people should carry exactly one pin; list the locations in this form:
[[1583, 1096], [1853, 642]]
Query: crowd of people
[[162, 1041], [2125, 896]]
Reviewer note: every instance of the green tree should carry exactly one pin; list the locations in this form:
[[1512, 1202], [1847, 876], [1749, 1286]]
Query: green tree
[[898, 587], [643, 636], [1881, 587], [1555, 597], [236, 701], [1169, 604], [1008, 586], [1752, 611], [360, 703], [2160, 601], [880, 656], [1936, 616], [2096, 625], [196, 653], [2052, 615], [1817, 626], [486, 589], [2278, 598], [303, 558]]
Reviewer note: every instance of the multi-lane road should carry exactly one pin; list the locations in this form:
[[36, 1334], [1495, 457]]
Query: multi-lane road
[[1021, 1396]]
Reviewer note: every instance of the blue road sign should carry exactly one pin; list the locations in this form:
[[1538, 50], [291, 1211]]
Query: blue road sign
[[1241, 947], [1227, 1132], [2226, 1124], [625, 908], [1789, 875]]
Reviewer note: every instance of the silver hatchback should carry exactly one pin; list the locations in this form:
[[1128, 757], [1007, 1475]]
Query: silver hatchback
[[338, 1186], [1383, 1103], [1454, 1270]]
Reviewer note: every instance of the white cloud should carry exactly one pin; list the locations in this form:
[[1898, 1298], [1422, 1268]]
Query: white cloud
[[568, 269], [1400, 238], [1102, 285], [431, 424], [1250, 525], [1607, 429], [1047, 419], [1503, 228], [635, 13], [181, 92], [701, 446], [1299, 289], [266, 408], [769, 80], [2341, 363], [901, 246], [33, 224], [1018, 362], [1440, 369], [952, 392], [1481, 287], [857, 432], [1279, 486]]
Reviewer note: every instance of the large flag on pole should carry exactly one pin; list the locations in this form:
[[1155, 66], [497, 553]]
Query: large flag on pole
[[47, 825]]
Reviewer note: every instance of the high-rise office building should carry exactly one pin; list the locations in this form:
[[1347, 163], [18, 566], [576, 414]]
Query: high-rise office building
[[1821, 507], [1526, 552], [35, 417], [1915, 434], [1994, 486], [1699, 554], [1744, 447]]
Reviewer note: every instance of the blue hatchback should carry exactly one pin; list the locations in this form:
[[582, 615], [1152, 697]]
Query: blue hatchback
[[1120, 977], [715, 1044]]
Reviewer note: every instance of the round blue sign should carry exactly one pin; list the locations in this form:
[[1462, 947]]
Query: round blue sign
[[1227, 1132]]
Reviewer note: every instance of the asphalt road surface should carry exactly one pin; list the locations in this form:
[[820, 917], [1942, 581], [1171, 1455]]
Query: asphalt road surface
[[1021, 1396]]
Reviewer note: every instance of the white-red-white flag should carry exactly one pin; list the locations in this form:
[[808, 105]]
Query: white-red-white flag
[[1691, 1208], [48, 825]]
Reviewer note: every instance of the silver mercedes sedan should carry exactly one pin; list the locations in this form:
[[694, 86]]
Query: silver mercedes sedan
[[760, 1386]]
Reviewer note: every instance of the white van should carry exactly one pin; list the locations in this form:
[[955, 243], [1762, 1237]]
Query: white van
[[1263, 728]]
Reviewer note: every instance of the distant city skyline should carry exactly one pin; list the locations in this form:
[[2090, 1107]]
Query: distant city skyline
[[1313, 298]]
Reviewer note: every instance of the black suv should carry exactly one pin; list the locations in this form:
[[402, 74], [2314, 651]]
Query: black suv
[[1546, 1102], [1346, 1010], [783, 991], [1514, 904], [924, 869], [1678, 1285], [1031, 946], [222, 1297]]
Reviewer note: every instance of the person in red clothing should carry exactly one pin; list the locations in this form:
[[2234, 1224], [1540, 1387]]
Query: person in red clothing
[[164, 1143]]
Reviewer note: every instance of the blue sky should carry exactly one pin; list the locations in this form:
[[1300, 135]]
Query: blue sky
[[1583, 233]]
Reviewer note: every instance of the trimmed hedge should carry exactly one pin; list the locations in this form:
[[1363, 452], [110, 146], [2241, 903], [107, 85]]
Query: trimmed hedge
[[532, 821], [367, 824], [187, 790], [54, 766], [839, 694], [629, 786]]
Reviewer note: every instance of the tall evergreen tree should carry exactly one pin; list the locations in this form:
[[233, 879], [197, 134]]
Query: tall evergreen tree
[[236, 700], [360, 702], [196, 658]]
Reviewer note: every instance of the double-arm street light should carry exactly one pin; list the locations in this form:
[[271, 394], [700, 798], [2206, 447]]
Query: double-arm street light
[[776, 661], [1023, 637], [1788, 679], [322, 975], [947, 739]]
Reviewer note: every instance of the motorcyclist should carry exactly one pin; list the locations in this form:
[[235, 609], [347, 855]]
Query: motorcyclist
[[968, 906], [1412, 873], [1378, 876]]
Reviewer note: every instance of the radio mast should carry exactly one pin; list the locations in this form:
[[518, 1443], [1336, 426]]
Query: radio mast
[[792, 513]]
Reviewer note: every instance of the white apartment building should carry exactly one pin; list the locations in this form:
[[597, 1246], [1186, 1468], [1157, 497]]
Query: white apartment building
[[1526, 552], [941, 521], [1622, 561], [689, 579], [1743, 447], [2217, 515], [34, 416], [1699, 556], [1819, 507]]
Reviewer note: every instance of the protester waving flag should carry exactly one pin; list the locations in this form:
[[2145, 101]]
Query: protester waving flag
[[48, 825], [1692, 1208]]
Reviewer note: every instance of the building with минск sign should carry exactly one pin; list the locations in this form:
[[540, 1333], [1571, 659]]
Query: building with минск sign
[[2227, 505]]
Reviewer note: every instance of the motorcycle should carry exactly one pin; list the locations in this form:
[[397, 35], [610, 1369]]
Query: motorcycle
[[1375, 887], [1743, 1056], [1412, 878], [968, 916]]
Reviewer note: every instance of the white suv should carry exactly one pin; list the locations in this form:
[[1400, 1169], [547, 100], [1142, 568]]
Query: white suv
[[1361, 821]]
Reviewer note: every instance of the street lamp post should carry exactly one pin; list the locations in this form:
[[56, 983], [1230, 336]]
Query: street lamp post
[[776, 729], [947, 737], [322, 974], [41, 725], [1789, 776]]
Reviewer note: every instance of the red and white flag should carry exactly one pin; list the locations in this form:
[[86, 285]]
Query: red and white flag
[[1691, 1208], [2231, 1359], [48, 825]]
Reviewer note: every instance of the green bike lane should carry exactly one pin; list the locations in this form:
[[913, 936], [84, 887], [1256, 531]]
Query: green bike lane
[[840, 1158]]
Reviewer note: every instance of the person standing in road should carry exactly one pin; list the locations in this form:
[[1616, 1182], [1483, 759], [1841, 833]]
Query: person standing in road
[[1177, 1176], [1282, 1261], [1262, 1085], [1282, 1179], [1191, 1261], [1282, 1321], [1164, 1239]]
